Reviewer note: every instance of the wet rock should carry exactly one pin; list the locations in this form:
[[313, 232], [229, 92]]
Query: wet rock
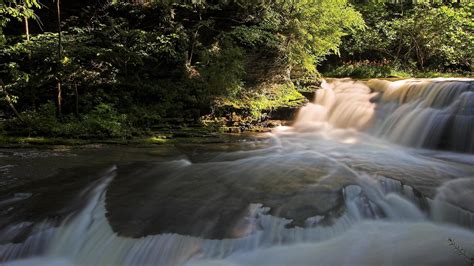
[[310, 95], [284, 113], [208, 199], [234, 130], [274, 123]]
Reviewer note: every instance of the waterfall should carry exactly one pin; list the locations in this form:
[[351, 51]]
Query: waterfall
[[433, 114], [371, 173]]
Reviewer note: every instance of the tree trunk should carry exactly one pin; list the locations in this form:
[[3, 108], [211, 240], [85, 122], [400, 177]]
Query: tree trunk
[[60, 56], [194, 39], [59, 97], [8, 98], [58, 7], [77, 99], [193, 44], [27, 29]]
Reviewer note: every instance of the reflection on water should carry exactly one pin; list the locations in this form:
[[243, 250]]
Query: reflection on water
[[335, 189]]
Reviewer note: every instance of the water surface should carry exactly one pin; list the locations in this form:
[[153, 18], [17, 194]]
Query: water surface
[[371, 173]]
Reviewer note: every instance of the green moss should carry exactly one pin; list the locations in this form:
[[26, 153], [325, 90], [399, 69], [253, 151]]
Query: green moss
[[177, 136], [21, 141], [255, 103]]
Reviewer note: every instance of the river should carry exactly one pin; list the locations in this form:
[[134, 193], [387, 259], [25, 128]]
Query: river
[[371, 173]]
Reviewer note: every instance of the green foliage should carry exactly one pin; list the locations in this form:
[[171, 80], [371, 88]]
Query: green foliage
[[102, 122], [161, 61], [312, 30], [424, 36], [440, 36], [378, 37], [16, 9], [256, 104], [367, 69], [222, 74], [261, 35]]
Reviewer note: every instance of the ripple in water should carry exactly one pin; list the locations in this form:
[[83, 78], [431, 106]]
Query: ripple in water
[[335, 189]]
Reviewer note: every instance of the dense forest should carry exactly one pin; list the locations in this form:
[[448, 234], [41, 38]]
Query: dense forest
[[119, 69]]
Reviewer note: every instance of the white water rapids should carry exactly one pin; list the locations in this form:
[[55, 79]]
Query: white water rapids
[[393, 160]]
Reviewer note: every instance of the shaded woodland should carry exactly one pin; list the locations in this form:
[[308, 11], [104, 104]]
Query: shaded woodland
[[120, 69]]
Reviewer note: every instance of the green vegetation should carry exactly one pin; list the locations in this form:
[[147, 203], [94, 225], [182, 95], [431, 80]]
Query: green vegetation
[[126, 69], [423, 40], [255, 103], [21, 10]]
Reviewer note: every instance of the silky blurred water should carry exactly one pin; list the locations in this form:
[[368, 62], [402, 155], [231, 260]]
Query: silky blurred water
[[371, 173]]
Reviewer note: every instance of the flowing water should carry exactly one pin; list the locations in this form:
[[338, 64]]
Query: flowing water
[[371, 173]]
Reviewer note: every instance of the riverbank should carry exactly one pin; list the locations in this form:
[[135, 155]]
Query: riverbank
[[190, 136], [364, 70], [249, 116], [258, 111]]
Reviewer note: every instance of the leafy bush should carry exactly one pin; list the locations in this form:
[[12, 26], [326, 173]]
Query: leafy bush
[[368, 69], [40, 122], [421, 37], [222, 75], [102, 122]]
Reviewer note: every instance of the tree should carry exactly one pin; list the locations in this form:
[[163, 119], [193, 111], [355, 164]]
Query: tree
[[439, 36], [60, 60], [420, 36], [21, 10], [314, 30], [169, 59], [10, 100]]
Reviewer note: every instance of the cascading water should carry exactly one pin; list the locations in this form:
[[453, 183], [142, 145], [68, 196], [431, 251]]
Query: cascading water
[[435, 114], [337, 188]]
